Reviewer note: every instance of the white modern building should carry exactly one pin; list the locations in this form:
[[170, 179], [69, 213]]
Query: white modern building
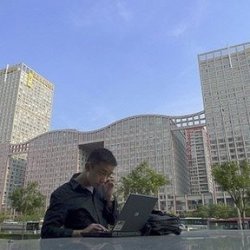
[[25, 104], [25, 112], [53, 157], [225, 80]]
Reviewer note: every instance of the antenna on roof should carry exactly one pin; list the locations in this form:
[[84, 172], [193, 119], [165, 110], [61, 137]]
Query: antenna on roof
[[229, 56], [6, 72]]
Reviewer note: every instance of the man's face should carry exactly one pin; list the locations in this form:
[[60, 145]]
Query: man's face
[[99, 174]]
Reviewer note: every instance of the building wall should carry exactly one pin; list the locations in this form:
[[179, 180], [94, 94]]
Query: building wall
[[9, 82], [181, 171], [225, 80], [15, 176], [4, 157], [53, 157], [147, 138], [198, 151], [25, 104], [13, 167], [25, 112]]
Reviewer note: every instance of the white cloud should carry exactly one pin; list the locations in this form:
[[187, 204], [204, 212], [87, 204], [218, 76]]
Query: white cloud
[[101, 12], [123, 11], [179, 30], [193, 19]]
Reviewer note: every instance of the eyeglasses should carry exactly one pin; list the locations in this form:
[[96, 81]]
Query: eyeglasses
[[104, 173]]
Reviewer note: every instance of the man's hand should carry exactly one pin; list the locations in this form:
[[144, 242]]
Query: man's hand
[[91, 228], [109, 189]]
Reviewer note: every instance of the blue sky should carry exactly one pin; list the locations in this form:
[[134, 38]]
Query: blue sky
[[110, 59]]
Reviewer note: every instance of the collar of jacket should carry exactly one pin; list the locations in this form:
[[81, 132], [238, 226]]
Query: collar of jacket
[[76, 185]]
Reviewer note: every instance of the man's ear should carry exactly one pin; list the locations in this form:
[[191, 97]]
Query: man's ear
[[87, 166]]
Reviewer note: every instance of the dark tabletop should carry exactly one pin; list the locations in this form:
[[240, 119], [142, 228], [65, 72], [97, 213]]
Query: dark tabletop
[[209, 239]]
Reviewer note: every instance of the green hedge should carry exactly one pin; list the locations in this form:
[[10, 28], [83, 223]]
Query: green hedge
[[15, 236]]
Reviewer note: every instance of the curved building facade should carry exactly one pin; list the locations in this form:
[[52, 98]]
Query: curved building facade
[[53, 157]]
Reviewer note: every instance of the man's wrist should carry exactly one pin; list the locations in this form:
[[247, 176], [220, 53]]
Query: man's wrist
[[76, 233], [110, 198], [110, 201]]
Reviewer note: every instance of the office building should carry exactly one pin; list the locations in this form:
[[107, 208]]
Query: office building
[[25, 104], [53, 157], [25, 112], [225, 80]]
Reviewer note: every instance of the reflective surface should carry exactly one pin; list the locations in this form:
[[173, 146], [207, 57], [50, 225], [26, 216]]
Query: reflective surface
[[187, 241]]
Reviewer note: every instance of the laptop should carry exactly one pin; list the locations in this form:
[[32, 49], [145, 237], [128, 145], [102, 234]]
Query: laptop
[[131, 219]]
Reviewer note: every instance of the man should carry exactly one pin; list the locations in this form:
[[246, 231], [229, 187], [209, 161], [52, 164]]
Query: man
[[85, 203]]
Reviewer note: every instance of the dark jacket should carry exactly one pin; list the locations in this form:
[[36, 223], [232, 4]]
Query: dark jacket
[[73, 207]]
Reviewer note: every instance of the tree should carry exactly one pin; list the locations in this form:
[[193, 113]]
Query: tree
[[28, 200], [143, 180], [234, 178], [4, 216], [221, 211], [201, 211]]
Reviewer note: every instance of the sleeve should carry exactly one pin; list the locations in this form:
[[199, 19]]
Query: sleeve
[[53, 225], [111, 213]]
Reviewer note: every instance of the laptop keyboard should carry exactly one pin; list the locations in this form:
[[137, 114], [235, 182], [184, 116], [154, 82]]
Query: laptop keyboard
[[111, 234]]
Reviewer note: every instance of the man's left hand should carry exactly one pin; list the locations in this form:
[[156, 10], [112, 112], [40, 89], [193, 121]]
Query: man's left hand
[[109, 189]]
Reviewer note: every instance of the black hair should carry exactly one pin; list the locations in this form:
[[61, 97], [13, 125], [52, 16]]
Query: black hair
[[101, 155]]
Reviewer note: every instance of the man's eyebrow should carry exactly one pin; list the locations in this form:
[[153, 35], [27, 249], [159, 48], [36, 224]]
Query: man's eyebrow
[[102, 171], [106, 172]]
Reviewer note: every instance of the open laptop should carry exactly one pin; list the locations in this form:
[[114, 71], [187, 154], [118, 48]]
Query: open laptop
[[131, 219]]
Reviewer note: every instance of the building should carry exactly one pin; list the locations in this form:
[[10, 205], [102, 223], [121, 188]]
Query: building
[[25, 112], [53, 157], [225, 81], [25, 104], [197, 150]]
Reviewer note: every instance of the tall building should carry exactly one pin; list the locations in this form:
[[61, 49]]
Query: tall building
[[225, 80], [25, 104], [198, 152], [25, 112]]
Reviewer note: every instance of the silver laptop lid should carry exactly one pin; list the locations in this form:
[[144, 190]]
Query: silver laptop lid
[[135, 213]]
